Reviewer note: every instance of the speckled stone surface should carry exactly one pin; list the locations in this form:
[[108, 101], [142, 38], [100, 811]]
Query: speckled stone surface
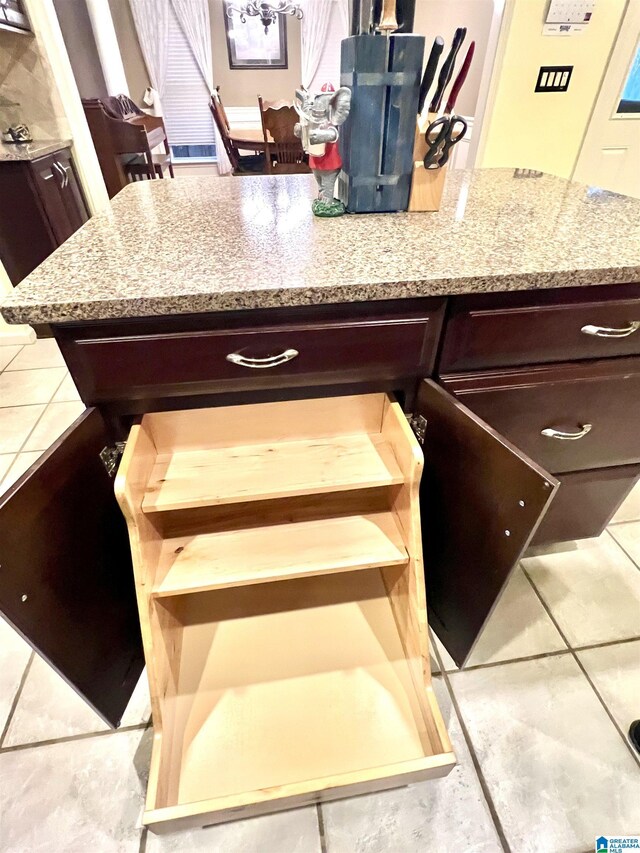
[[209, 244], [31, 150]]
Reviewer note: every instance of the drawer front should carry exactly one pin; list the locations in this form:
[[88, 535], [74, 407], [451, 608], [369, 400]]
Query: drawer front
[[566, 418], [246, 359], [480, 338], [585, 503]]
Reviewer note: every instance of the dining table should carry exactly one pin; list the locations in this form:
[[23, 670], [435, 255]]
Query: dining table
[[249, 138]]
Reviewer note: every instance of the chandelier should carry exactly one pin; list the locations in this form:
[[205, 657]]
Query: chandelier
[[265, 11]]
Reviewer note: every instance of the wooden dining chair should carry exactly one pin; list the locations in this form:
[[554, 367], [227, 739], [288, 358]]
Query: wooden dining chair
[[241, 164], [283, 150]]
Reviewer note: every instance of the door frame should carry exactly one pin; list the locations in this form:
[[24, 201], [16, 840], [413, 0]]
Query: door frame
[[629, 22]]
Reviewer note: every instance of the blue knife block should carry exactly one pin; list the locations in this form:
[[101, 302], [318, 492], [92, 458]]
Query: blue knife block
[[376, 141]]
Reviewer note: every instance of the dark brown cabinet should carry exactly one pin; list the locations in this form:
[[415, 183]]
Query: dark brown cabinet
[[13, 16], [484, 494], [42, 207]]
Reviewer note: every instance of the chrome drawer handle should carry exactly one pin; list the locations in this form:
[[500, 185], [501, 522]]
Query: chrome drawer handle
[[261, 363], [605, 332], [549, 432]]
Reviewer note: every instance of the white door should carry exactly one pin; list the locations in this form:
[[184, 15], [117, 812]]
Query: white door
[[610, 154]]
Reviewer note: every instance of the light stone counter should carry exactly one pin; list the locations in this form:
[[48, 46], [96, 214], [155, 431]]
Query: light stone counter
[[207, 244]]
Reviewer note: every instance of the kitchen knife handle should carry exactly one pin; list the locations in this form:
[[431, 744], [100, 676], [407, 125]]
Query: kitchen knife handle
[[388, 22], [459, 83], [430, 71], [446, 72]]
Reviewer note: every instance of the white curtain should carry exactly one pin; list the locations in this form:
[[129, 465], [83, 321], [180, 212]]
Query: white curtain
[[313, 28], [151, 18], [193, 17]]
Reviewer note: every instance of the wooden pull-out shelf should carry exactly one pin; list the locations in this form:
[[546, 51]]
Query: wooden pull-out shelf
[[286, 635]]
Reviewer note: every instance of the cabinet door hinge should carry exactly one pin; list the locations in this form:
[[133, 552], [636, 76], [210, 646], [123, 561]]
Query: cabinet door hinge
[[418, 424], [111, 456]]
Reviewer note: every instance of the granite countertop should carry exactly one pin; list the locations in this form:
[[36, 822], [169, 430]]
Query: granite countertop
[[208, 244], [31, 150]]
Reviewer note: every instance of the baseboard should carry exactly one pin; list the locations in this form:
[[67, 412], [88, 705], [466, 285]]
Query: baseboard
[[16, 335]]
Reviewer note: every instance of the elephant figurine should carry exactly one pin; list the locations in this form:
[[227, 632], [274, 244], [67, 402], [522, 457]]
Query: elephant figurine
[[320, 117]]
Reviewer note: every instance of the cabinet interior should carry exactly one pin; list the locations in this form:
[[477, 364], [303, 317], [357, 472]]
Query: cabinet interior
[[279, 576]]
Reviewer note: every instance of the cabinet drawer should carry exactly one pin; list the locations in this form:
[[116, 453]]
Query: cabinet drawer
[[595, 406], [253, 357], [281, 593], [585, 503], [516, 333]]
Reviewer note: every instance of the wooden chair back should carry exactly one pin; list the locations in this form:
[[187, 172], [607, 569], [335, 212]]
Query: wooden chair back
[[283, 150], [220, 118]]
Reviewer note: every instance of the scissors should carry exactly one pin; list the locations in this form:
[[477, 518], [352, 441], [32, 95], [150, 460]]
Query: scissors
[[441, 135]]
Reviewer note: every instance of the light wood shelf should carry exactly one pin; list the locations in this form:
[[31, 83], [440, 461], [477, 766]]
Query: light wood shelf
[[279, 551], [214, 476], [281, 689]]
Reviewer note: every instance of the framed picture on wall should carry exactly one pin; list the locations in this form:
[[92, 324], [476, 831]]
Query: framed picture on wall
[[249, 46]]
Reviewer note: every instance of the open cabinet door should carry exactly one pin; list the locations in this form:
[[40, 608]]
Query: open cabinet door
[[66, 581], [481, 501]]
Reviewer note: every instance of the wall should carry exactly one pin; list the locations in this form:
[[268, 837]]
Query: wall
[[81, 46], [545, 131], [134, 67], [239, 88], [25, 77], [440, 18]]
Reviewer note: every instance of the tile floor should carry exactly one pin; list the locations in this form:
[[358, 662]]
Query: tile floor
[[538, 719]]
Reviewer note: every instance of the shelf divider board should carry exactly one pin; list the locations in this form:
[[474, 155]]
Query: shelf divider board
[[279, 551], [214, 476]]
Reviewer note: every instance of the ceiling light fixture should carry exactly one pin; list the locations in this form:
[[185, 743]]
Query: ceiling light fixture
[[265, 11]]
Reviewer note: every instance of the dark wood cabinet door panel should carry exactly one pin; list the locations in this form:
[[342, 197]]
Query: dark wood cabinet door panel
[[481, 500], [60, 193], [585, 503], [517, 332], [566, 417], [247, 359], [26, 236], [66, 581]]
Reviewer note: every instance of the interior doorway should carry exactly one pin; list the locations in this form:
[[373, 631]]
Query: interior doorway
[[610, 153]]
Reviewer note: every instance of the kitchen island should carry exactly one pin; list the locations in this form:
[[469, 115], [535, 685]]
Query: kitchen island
[[507, 325]]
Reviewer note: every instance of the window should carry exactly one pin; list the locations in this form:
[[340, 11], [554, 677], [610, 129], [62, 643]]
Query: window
[[185, 102], [630, 100]]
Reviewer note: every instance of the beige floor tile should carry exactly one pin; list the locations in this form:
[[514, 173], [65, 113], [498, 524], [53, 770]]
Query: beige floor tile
[[16, 422], [20, 465], [518, 627], [26, 388], [76, 797], [615, 671], [42, 353], [5, 463], [630, 509], [627, 535], [67, 392], [558, 772], [593, 591], [447, 661], [294, 831], [443, 815], [48, 708], [55, 420], [14, 655], [7, 355]]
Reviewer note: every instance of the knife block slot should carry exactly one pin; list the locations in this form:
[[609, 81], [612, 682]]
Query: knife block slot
[[426, 184]]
